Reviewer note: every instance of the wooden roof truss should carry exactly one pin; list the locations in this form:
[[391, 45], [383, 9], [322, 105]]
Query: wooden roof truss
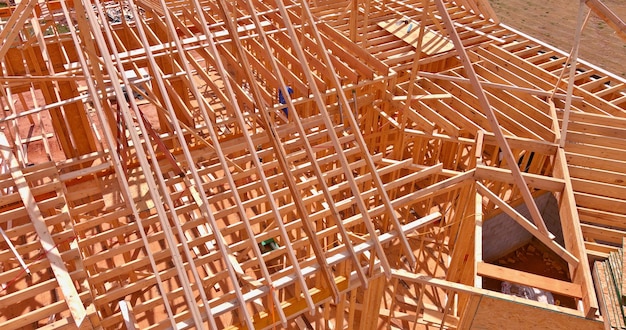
[[251, 164]]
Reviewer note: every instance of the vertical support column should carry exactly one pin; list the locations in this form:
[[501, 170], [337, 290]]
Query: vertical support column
[[354, 15], [372, 298], [573, 236], [478, 237]]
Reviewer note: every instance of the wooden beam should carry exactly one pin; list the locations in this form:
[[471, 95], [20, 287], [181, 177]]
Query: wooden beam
[[87, 21], [536, 181], [623, 286], [15, 24], [572, 72], [547, 239], [529, 279], [476, 292], [487, 84], [15, 253], [155, 183], [573, 237], [422, 97], [320, 105], [478, 237], [493, 121], [334, 260], [127, 313], [280, 155], [66, 284], [485, 9], [439, 187], [608, 16]]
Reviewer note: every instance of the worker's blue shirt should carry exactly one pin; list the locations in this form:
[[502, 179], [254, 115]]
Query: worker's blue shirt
[[281, 97]]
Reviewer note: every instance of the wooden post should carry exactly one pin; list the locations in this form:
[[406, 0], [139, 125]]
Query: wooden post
[[412, 80], [573, 237], [372, 297], [478, 238]]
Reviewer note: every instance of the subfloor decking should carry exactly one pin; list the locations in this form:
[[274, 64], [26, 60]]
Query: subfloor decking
[[289, 164]]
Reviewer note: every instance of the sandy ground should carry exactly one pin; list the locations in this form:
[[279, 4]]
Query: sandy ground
[[554, 21]]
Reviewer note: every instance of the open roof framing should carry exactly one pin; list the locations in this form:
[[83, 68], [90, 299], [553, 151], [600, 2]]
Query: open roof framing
[[297, 164]]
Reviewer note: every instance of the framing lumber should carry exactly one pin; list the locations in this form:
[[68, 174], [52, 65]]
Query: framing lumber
[[65, 282], [484, 103], [519, 277], [608, 16], [298, 164], [570, 82], [547, 239]]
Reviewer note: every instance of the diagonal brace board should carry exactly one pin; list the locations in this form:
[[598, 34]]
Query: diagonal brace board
[[526, 224], [608, 16], [493, 121], [66, 284], [12, 27]]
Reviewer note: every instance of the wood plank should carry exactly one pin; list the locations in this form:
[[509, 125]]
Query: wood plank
[[573, 237], [493, 85], [601, 218], [595, 162], [602, 235], [605, 204], [529, 279], [512, 314], [432, 43], [598, 188], [608, 16], [602, 141], [533, 180], [623, 269], [66, 284]]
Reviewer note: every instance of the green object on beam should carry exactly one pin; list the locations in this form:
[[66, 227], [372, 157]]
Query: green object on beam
[[269, 245]]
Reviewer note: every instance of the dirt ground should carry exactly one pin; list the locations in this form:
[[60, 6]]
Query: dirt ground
[[534, 258], [554, 21]]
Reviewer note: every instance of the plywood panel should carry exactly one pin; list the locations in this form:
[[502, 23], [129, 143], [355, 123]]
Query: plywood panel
[[497, 313]]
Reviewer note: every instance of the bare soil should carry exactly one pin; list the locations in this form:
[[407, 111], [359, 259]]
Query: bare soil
[[554, 22], [534, 258]]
